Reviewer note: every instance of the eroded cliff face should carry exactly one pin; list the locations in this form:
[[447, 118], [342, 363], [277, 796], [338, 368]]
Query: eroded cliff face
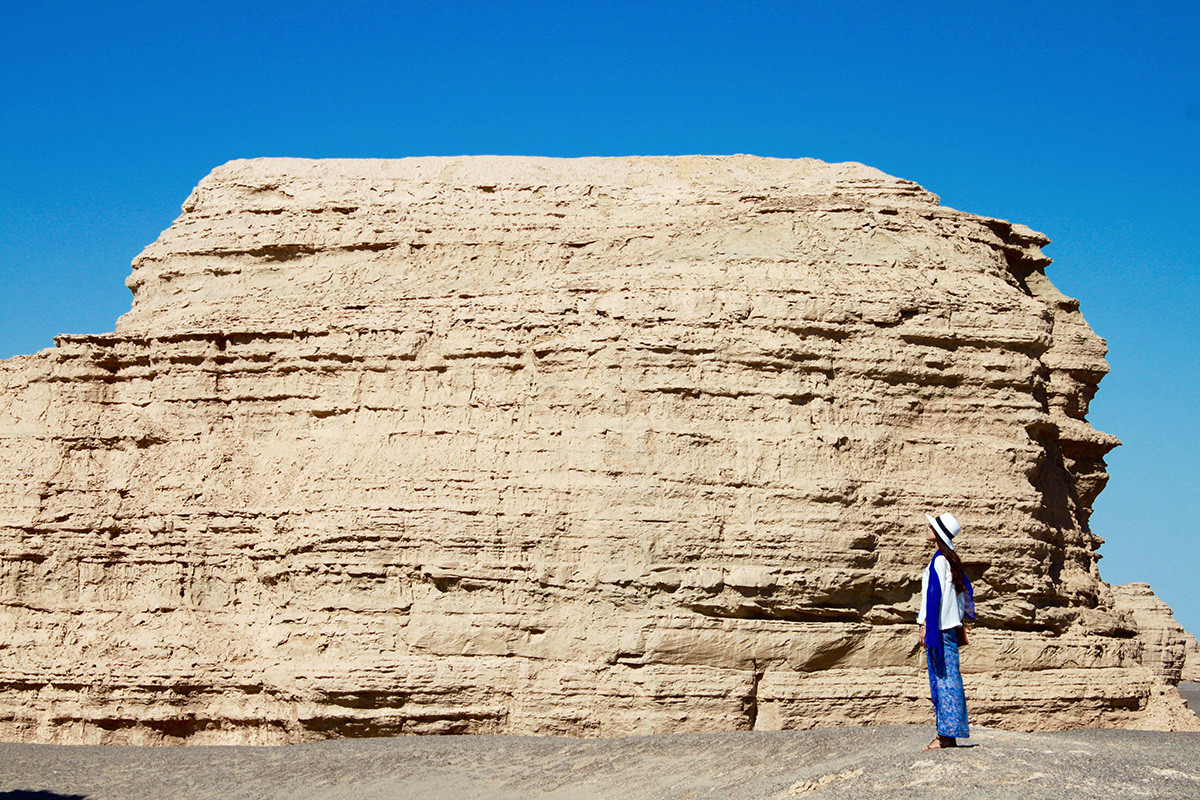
[[592, 447]]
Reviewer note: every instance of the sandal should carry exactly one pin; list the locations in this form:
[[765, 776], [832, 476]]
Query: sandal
[[941, 743]]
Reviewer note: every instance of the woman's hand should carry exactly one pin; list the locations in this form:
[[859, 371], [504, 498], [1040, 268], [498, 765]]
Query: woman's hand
[[922, 630]]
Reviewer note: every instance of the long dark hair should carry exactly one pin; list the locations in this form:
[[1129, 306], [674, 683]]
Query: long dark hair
[[956, 567]]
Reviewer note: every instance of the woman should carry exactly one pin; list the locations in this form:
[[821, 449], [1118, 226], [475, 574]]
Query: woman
[[946, 598]]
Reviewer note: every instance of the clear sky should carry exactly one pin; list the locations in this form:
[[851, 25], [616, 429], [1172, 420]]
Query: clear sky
[[1081, 120]]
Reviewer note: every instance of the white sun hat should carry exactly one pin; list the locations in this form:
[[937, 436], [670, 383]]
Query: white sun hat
[[946, 527]]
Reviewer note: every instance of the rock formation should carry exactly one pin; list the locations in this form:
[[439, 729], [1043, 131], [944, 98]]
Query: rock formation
[[588, 447], [1191, 664]]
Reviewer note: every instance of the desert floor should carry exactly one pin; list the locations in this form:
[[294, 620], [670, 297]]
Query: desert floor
[[875, 762]]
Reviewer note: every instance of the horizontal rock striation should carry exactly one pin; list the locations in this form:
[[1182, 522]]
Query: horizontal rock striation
[[540, 446]]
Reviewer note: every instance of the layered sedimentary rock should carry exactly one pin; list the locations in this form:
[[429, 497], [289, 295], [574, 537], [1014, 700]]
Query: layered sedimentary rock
[[591, 447], [1191, 665]]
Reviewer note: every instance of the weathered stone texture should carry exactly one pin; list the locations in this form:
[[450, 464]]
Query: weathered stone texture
[[593, 446], [1191, 665]]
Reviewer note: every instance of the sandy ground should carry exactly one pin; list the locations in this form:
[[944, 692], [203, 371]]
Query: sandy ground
[[877, 762]]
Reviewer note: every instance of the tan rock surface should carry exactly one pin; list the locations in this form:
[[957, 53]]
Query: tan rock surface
[[587, 447], [1191, 666]]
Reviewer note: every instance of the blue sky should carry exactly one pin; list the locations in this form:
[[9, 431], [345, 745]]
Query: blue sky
[[1079, 120]]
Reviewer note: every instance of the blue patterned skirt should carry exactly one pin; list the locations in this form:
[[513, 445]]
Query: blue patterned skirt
[[946, 688]]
